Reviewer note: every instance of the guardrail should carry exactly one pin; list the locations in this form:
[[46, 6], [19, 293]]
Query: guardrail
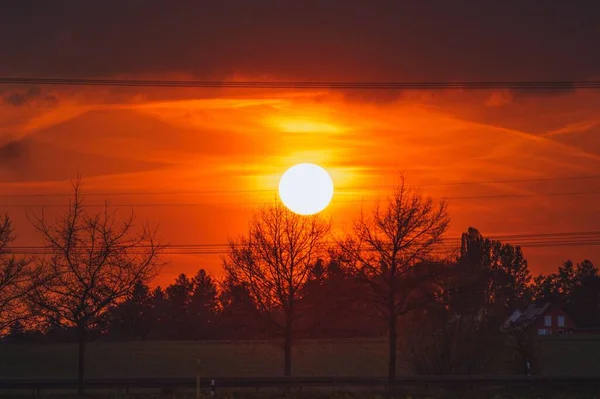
[[450, 381]]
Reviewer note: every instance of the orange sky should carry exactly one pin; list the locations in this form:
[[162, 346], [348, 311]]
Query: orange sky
[[230, 147]]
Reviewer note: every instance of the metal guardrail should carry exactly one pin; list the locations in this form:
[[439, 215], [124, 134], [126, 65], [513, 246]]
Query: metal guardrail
[[277, 382]]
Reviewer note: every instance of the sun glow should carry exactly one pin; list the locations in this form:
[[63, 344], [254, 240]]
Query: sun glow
[[306, 189], [302, 125]]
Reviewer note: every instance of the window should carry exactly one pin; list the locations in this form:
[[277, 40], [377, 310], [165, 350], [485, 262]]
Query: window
[[561, 321], [548, 321], [542, 331]]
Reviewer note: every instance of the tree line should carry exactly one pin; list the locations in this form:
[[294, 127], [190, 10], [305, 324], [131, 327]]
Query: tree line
[[288, 278]]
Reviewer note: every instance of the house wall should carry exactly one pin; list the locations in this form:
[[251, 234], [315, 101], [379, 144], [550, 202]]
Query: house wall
[[553, 329]]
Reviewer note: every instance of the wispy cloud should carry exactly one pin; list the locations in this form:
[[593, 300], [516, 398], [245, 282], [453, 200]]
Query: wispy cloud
[[576, 127]]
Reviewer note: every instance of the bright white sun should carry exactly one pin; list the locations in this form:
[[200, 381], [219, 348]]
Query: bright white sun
[[306, 189]]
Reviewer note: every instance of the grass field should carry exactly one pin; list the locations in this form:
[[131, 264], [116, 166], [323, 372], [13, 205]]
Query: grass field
[[350, 357], [571, 355], [178, 359]]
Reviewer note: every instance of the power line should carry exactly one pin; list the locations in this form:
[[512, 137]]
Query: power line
[[531, 240], [332, 85], [523, 195], [545, 235], [42, 251], [539, 179], [346, 188], [193, 204]]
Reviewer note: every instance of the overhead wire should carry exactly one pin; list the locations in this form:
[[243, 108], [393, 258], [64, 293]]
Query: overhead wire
[[530, 240], [195, 204], [344, 188], [331, 85]]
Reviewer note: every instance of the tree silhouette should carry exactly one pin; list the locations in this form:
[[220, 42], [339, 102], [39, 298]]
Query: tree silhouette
[[16, 331], [506, 264], [178, 296], [460, 330], [489, 281], [576, 288], [240, 317], [15, 278], [160, 316], [583, 303], [334, 301], [93, 262], [203, 306], [132, 319], [273, 262], [491, 275], [388, 247]]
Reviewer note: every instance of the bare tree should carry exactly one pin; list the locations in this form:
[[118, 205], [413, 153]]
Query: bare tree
[[274, 261], [91, 262], [390, 248], [15, 278]]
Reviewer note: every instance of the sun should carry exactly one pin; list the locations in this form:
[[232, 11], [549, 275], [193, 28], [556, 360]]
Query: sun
[[306, 189]]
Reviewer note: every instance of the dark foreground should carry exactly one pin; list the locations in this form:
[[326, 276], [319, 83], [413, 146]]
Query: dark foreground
[[315, 395], [568, 355], [432, 391]]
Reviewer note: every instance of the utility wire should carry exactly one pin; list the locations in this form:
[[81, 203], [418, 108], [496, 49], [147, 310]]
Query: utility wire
[[332, 85], [43, 251], [557, 239], [194, 204], [337, 189]]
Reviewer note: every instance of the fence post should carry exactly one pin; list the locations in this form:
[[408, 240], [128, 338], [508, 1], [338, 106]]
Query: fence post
[[198, 369]]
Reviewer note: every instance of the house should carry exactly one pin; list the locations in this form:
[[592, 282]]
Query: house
[[543, 318]]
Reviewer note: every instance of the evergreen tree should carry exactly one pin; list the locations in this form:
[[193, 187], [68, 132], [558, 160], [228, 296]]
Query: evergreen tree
[[179, 295], [203, 306]]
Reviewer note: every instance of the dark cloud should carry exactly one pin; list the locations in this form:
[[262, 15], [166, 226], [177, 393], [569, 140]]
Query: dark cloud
[[526, 94], [21, 97], [387, 96], [12, 153], [32, 160], [34, 94], [308, 40]]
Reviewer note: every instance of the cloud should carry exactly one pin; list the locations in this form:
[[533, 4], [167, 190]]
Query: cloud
[[575, 127], [499, 98], [385, 40], [538, 93], [12, 153], [30, 160], [18, 98]]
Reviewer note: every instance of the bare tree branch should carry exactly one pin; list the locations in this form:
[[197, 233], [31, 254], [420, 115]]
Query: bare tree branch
[[15, 278], [274, 260], [93, 261], [389, 246]]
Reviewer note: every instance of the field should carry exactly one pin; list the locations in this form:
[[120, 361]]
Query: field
[[178, 359], [352, 357], [571, 355]]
